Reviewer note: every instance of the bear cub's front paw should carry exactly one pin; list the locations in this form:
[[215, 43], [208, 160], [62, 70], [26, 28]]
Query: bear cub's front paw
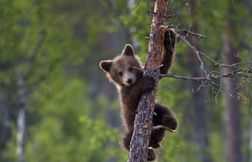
[[148, 83]]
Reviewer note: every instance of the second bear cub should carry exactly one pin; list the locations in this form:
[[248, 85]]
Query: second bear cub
[[126, 72]]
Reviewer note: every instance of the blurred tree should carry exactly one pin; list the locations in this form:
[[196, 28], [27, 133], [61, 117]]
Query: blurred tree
[[232, 103], [200, 129]]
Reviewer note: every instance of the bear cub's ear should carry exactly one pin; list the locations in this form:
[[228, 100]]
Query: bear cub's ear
[[105, 65], [128, 50]]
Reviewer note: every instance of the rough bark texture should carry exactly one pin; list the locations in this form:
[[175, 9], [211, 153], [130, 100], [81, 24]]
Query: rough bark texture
[[143, 121], [200, 131], [232, 104]]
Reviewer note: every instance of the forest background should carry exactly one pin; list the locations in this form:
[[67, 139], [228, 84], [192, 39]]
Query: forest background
[[57, 105]]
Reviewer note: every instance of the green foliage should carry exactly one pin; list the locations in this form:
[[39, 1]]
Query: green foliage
[[38, 39], [86, 143]]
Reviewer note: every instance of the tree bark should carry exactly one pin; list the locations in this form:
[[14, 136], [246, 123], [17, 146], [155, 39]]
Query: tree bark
[[232, 114], [143, 120]]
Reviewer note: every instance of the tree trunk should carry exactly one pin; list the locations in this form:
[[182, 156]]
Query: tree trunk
[[200, 131], [232, 111], [143, 120], [21, 116], [232, 115]]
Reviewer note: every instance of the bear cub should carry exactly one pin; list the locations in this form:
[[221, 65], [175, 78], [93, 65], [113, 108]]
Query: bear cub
[[126, 72]]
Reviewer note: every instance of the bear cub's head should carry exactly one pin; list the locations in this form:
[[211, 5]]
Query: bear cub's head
[[125, 69]]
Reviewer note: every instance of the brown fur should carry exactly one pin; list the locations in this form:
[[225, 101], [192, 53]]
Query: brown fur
[[168, 51], [126, 72]]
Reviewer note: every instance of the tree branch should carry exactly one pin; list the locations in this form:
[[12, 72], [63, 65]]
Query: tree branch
[[213, 75], [197, 52], [175, 76]]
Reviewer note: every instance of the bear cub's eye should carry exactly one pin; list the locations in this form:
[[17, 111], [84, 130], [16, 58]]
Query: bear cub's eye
[[120, 73], [130, 69]]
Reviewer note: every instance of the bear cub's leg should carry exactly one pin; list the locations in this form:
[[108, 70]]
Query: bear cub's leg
[[164, 117], [156, 137]]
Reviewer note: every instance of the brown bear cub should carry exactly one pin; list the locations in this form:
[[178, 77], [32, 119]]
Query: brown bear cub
[[126, 72]]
